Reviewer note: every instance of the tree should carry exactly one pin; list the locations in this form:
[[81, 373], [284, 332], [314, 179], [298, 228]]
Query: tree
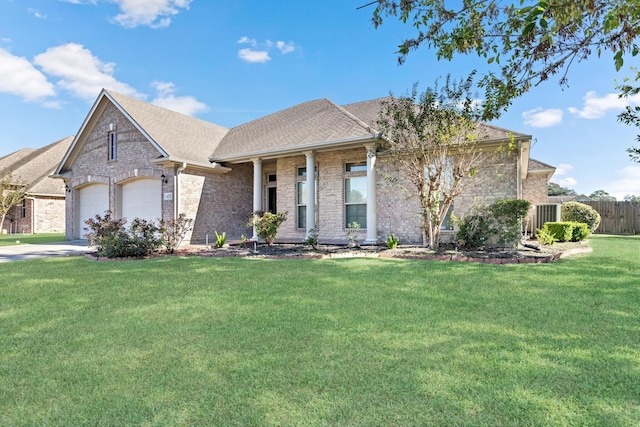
[[631, 198], [602, 195], [432, 140], [11, 193], [554, 189], [527, 41], [631, 115]]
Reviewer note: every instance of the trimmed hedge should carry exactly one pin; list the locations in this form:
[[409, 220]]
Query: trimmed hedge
[[567, 231]]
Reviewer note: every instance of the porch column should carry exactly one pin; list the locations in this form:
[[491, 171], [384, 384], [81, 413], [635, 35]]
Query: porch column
[[257, 190], [311, 191], [372, 222]]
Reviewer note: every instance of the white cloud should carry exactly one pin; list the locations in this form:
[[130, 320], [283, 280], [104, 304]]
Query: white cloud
[[182, 104], [595, 107], [627, 182], [565, 182], [152, 13], [285, 47], [259, 52], [36, 13], [80, 72], [19, 77], [254, 56], [540, 118], [247, 40], [563, 169]]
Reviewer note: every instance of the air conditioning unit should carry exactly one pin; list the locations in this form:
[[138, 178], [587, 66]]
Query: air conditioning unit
[[546, 213]]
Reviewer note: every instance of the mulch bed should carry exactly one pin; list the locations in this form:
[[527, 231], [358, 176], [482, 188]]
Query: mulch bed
[[520, 255]]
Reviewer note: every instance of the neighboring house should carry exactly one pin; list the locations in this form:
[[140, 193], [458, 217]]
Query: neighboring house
[[43, 209], [140, 160]]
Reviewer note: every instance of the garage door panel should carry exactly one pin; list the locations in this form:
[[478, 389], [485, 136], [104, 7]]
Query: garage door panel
[[142, 198], [93, 200]]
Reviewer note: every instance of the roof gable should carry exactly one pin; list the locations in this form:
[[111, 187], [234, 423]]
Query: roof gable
[[174, 135], [302, 126], [34, 169]]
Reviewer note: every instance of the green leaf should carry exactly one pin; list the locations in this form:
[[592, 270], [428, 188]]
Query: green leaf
[[490, 60], [618, 60]]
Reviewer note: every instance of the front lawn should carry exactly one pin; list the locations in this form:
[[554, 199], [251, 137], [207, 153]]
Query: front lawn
[[226, 341], [20, 239]]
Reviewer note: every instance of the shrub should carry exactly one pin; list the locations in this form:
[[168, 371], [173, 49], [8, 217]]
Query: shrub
[[579, 212], [545, 237], [474, 230], [266, 224], [580, 232], [502, 220], [312, 239], [562, 231], [508, 215], [111, 239], [352, 233], [174, 230], [392, 241]]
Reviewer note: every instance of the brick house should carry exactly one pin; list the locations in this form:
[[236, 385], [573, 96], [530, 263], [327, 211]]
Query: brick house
[[138, 159], [43, 209]]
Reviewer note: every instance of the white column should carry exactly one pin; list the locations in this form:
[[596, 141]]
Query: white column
[[311, 191], [257, 190], [372, 222]]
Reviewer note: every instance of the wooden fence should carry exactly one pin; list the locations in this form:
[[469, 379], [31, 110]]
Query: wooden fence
[[617, 217]]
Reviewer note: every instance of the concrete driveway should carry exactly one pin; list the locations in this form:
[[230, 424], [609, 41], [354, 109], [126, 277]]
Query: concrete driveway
[[43, 250]]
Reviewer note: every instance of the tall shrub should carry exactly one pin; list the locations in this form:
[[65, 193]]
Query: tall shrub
[[579, 212]]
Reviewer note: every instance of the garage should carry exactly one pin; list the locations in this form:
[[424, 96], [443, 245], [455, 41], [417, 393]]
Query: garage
[[142, 198], [93, 200]]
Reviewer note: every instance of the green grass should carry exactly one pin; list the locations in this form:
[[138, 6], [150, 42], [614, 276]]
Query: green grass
[[222, 341], [11, 239]]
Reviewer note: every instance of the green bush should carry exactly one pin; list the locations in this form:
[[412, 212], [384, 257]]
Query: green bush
[[266, 224], [392, 241], [545, 237], [112, 239], [562, 231], [502, 220], [579, 212], [580, 232]]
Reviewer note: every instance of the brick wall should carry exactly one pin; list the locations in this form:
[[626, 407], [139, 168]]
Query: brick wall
[[41, 214]]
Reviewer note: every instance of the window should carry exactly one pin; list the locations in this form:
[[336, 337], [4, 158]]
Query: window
[[23, 209], [447, 184], [113, 139], [301, 197], [447, 222], [355, 194]]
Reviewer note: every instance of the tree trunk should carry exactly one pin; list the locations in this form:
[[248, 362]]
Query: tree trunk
[[4, 215]]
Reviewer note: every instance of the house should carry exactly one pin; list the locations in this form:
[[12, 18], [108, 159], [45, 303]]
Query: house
[[140, 160], [43, 209]]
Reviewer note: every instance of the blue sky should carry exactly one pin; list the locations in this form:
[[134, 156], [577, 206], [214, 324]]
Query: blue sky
[[231, 62]]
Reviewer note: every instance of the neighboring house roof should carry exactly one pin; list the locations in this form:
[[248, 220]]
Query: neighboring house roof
[[310, 125], [14, 158], [176, 136], [34, 168], [561, 199]]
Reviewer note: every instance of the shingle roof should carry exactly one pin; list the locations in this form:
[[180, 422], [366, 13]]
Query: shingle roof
[[537, 165], [179, 135], [13, 158], [303, 125], [34, 169]]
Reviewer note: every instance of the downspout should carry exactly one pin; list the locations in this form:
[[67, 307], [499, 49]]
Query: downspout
[[519, 172], [176, 189]]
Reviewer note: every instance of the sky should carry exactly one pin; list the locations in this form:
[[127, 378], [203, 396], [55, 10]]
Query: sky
[[229, 62]]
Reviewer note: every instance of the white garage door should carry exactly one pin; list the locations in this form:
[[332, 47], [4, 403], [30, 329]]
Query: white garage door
[[94, 200], [142, 198]]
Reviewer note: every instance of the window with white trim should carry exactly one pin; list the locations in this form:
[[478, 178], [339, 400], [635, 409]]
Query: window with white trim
[[355, 194], [112, 145], [301, 198]]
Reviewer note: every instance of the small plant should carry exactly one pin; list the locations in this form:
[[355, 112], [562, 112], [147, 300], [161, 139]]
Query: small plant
[[221, 239], [266, 224], [174, 231], [392, 242], [545, 237], [243, 241], [312, 239], [352, 233]]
